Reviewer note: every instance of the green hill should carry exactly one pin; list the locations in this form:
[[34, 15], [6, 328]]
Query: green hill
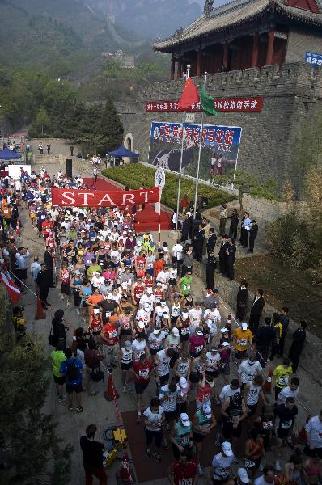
[[58, 36]]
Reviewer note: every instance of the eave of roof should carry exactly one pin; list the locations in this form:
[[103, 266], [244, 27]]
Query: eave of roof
[[233, 14]]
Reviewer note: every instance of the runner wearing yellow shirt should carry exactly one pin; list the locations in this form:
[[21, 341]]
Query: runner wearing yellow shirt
[[281, 374], [243, 339]]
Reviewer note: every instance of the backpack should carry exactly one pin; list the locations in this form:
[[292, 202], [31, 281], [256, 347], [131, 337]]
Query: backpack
[[72, 371]]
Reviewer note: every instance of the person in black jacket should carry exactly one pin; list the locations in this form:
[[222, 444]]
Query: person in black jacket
[[265, 337], [252, 235], [222, 254], [198, 243], [242, 301], [230, 259], [43, 282], [59, 329], [256, 310], [49, 263], [297, 345], [93, 458], [234, 221], [210, 271], [211, 241]]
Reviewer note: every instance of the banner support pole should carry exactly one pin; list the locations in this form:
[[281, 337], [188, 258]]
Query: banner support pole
[[199, 158], [180, 172]]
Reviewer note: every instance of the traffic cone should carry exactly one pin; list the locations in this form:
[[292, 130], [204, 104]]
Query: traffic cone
[[40, 312], [110, 393]]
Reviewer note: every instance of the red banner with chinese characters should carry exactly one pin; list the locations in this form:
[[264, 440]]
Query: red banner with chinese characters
[[244, 105], [226, 105], [169, 107], [99, 198]]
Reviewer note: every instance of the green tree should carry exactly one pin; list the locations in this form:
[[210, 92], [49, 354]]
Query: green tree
[[30, 451], [42, 120]]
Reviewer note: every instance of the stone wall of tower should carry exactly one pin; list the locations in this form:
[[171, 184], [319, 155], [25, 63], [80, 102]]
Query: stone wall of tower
[[292, 95], [299, 43]]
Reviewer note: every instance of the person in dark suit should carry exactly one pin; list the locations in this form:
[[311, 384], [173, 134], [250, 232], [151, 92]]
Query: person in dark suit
[[256, 310], [43, 283], [242, 301], [265, 337], [234, 221], [297, 345], [230, 259], [211, 241], [198, 243], [210, 271], [252, 236], [49, 263], [222, 254]]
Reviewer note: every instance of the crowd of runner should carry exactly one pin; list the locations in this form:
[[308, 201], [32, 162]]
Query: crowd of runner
[[196, 370]]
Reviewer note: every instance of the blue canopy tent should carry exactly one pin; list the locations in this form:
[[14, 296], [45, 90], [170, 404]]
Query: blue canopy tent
[[121, 152], [7, 154]]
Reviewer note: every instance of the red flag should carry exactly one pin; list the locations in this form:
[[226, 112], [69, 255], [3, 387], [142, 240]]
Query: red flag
[[12, 290], [189, 96]]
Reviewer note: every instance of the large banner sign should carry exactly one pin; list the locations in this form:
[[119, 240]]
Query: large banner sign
[[220, 145], [229, 105], [97, 198]]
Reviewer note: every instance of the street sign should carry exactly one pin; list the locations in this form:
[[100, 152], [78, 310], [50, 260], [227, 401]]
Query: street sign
[[313, 58]]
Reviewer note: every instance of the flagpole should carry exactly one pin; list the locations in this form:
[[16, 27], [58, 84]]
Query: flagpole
[[181, 160], [199, 158]]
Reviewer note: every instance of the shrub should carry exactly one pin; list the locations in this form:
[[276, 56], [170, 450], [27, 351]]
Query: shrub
[[138, 175], [295, 241]]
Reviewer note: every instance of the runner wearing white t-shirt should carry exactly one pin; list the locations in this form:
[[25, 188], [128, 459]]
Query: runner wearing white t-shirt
[[248, 369]]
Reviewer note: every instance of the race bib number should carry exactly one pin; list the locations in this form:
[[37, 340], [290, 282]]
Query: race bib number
[[144, 373], [198, 348]]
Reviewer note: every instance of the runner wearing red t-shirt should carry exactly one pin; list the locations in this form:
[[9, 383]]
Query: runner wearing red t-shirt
[[137, 291], [140, 265], [184, 471], [46, 227], [110, 338], [142, 373]]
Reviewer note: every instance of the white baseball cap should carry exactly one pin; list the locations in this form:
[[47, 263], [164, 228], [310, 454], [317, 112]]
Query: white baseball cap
[[224, 330], [243, 475], [225, 344], [199, 331], [226, 448], [184, 418], [96, 311], [244, 325], [141, 325], [156, 331], [175, 331]]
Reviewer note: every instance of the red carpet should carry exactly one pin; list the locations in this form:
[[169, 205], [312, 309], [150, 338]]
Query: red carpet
[[147, 469], [145, 220]]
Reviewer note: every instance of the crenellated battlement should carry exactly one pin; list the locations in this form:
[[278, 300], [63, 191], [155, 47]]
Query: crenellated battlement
[[296, 78]]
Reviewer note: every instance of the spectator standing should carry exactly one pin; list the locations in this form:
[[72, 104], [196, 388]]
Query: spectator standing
[[223, 215], [93, 458], [256, 310], [314, 435], [297, 345], [72, 370]]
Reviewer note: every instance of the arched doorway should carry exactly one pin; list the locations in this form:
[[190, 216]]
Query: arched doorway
[[128, 142]]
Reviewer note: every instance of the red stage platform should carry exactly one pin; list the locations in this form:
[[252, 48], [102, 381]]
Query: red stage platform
[[146, 220]]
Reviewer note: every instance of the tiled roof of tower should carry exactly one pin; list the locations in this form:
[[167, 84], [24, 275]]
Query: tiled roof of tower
[[233, 14]]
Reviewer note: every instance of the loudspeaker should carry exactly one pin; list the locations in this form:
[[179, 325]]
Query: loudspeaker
[[69, 167]]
